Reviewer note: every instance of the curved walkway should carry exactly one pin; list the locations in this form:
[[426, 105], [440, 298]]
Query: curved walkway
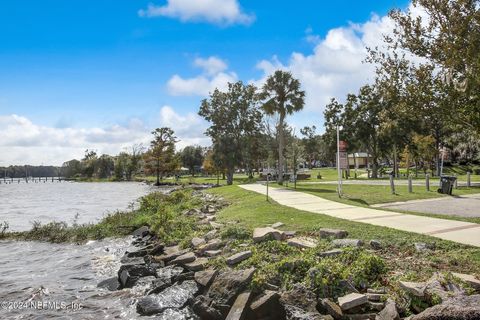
[[458, 231]]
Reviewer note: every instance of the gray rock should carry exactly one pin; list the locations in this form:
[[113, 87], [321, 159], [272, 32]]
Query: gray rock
[[377, 306], [333, 233], [202, 307], [174, 297], [277, 225], [213, 244], [469, 279], [111, 284], [183, 259], [128, 274], [157, 250], [301, 297], [169, 272], [215, 225], [375, 296], [197, 265], [213, 253], [210, 234], [227, 285], [197, 242], [239, 308], [303, 243], [352, 300], [289, 234], [375, 245], [141, 232], [262, 234], [347, 243], [332, 309], [266, 305], [330, 253], [205, 277], [424, 247], [414, 288], [239, 257], [460, 308], [171, 253], [389, 312]]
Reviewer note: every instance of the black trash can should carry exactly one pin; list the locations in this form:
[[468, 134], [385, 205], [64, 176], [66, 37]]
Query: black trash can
[[446, 184]]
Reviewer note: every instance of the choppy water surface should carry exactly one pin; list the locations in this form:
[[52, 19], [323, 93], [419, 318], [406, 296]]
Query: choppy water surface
[[23, 203], [63, 276]]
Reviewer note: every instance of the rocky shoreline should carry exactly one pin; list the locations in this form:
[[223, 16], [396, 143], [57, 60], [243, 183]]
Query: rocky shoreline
[[184, 282]]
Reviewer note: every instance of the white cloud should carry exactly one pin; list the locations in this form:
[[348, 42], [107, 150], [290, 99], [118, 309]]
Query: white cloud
[[211, 65], [188, 128], [24, 142], [335, 67], [215, 75], [220, 12]]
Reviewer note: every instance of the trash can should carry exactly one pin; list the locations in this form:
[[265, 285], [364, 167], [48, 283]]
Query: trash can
[[446, 184]]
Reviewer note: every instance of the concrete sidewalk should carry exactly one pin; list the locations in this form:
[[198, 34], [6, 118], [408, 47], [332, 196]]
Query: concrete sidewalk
[[458, 231], [434, 184]]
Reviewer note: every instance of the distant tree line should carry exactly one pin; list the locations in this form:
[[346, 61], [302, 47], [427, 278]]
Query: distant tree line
[[29, 171]]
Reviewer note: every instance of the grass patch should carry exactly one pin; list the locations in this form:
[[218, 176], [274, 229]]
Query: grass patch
[[249, 210]]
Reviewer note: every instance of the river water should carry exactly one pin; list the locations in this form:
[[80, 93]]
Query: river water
[[59, 281]]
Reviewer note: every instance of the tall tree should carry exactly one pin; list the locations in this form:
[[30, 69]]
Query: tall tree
[[160, 158], [282, 96], [448, 36], [311, 144], [192, 158], [234, 117]]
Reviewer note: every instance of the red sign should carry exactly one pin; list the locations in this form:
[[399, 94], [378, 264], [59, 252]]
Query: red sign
[[342, 145]]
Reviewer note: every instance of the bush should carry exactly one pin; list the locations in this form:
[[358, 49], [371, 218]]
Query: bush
[[236, 232]]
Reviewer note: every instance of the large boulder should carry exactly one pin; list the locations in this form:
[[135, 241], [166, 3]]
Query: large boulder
[[266, 306], [459, 308], [111, 284], [352, 300], [389, 312], [128, 274], [205, 277], [331, 308], [228, 284], [239, 308], [267, 233], [174, 297]]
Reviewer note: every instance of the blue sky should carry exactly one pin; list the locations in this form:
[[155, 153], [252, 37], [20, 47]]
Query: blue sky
[[101, 74]]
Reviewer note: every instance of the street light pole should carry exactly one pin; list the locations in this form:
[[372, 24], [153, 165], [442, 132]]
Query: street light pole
[[339, 187]]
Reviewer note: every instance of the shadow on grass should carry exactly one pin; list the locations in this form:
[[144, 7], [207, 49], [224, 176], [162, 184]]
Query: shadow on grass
[[314, 190]]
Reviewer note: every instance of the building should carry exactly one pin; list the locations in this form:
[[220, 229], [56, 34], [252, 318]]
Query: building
[[358, 160]]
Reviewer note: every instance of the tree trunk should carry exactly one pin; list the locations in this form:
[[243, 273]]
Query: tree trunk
[[230, 176], [158, 172], [281, 146], [395, 165]]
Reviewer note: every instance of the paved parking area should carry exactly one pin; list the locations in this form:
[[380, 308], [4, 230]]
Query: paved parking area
[[462, 206]]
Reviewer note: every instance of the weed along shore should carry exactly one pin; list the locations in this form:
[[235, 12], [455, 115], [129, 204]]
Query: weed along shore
[[226, 253]]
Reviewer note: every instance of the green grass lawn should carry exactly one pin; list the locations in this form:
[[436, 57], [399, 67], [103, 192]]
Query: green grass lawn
[[249, 209], [366, 195]]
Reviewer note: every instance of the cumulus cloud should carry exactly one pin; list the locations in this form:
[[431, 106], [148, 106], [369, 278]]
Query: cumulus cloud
[[188, 128], [220, 12], [24, 142], [335, 67], [214, 75]]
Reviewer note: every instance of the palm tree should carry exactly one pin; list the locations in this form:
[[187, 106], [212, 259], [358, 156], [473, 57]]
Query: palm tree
[[282, 95]]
